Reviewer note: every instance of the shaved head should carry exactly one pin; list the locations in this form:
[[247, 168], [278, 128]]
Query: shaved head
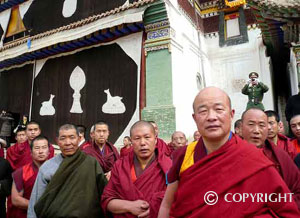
[[255, 126], [211, 89], [213, 116], [141, 123]]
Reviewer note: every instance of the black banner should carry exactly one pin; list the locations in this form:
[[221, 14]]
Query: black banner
[[44, 15], [103, 68]]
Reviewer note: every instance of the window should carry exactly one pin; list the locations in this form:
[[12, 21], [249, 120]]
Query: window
[[232, 27]]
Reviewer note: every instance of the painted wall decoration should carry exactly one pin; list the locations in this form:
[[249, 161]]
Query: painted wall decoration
[[69, 8], [77, 82], [47, 108], [113, 105], [98, 67], [15, 89]]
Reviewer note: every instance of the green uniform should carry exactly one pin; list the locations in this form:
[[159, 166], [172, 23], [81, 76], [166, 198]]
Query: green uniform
[[255, 95]]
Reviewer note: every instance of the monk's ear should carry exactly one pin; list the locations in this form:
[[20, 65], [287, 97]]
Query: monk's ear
[[193, 115], [232, 113]]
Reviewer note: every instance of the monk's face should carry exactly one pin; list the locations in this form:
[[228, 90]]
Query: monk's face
[[273, 127], [255, 127], [178, 140], [238, 130], [21, 137], [295, 126], [32, 131], [281, 128], [68, 141], [126, 141], [197, 135], [212, 114], [40, 150], [143, 140], [101, 134]]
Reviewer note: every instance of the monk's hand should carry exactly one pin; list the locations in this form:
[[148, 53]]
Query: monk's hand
[[145, 214], [108, 174], [138, 207]]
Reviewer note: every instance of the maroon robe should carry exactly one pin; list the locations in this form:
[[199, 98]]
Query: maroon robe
[[84, 145], [296, 144], [163, 146], [24, 179], [124, 151], [1, 152], [150, 186], [284, 143], [105, 160], [236, 167], [20, 154], [286, 168]]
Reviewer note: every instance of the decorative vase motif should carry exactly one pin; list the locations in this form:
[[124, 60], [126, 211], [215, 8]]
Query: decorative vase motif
[[77, 82]]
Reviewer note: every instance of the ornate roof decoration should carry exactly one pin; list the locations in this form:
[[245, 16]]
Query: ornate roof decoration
[[77, 24], [6, 4], [75, 36], [279, 20], [292, 4], [234, 3]]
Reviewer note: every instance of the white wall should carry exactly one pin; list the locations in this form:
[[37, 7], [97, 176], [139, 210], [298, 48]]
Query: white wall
[[227, 67], [293, 73], [186, 63], [231, 66]]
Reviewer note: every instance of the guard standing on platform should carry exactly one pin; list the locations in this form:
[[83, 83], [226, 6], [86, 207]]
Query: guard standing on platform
[[255, 91]]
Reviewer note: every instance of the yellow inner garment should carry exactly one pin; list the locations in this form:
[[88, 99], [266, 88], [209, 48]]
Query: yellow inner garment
[[188, 160]]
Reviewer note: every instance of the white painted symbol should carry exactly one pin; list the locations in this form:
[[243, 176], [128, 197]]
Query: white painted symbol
[[69, 8], [47, 108], [113, 105], [126, 4], [77, 82]]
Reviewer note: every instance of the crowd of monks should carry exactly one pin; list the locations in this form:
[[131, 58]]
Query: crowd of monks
[[149, 178]]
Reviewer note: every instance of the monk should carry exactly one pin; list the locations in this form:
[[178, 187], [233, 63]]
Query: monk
[[225, 164], [24, 177], [21, 136], [255, 131], [138, 181], [178, 140], [295, 127], [279, 140], [88, 142], [238, 128], [82, 129], [104, 152], [127, 146], [196, 136], [70, 184], [160, 142], [19, 155]]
